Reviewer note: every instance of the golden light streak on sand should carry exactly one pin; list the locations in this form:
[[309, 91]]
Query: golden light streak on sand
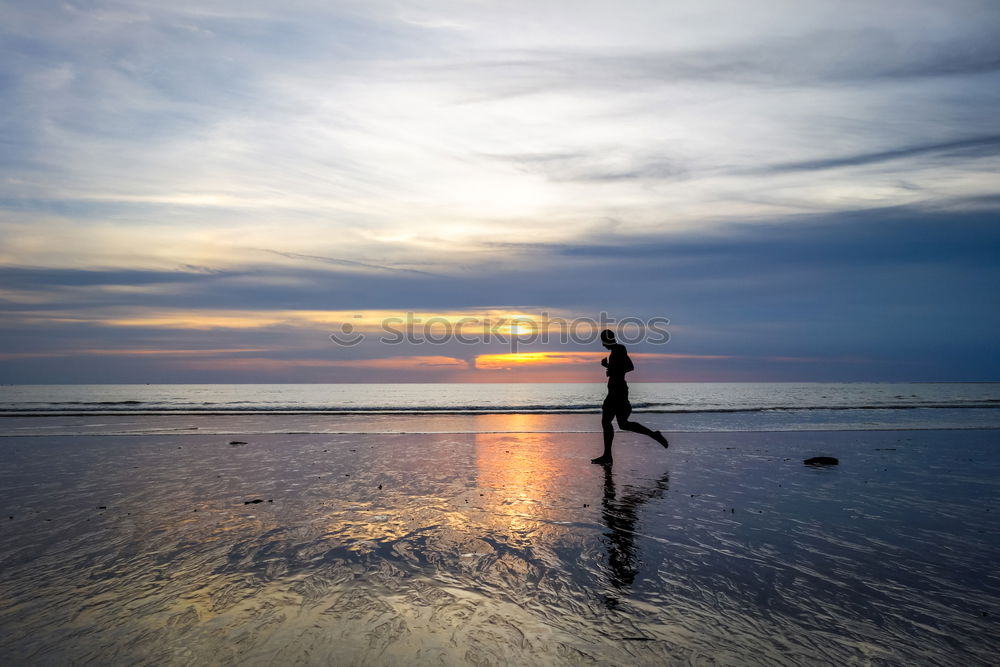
[[519, 475]]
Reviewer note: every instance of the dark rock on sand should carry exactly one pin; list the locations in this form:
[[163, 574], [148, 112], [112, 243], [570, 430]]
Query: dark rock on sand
[[821, 461], [252, 502], [234, 443]]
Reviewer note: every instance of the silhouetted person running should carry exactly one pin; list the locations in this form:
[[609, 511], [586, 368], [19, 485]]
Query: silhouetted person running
[[616, 405]]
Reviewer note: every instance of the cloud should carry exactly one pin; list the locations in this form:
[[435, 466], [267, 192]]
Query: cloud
[[343, 262], [354, 116], [177, 175], [986, 146], [402, 365], [821, 57], [126, 352]]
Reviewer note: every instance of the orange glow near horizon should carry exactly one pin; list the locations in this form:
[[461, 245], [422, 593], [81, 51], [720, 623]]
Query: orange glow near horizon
[[389, 363], [470, 322], [523, 359], [505, 367]]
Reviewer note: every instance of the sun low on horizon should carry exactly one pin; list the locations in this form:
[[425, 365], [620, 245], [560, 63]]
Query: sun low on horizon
[[340, 192]]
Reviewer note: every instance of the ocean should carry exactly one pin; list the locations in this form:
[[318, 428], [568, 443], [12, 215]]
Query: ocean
[[322, 408]]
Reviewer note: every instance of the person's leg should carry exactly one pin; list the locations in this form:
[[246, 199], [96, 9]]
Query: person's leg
[[625, 424], [607, 416]]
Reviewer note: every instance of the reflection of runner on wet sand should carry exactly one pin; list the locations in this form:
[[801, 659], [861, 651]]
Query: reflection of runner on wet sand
[[617, 405], [621, 515]]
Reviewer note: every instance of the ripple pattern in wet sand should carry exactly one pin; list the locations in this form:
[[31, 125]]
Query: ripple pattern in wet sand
[[500, 548]]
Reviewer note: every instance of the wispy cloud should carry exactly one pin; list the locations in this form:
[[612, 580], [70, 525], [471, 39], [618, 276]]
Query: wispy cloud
[[988, 146], [336, 261]]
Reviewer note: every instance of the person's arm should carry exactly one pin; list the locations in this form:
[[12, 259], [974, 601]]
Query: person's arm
[[627, 362]]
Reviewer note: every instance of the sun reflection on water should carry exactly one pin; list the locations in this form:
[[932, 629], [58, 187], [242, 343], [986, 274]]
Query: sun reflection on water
[[463, 546]]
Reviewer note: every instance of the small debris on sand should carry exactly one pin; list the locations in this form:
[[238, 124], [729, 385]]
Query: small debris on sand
[[821, 461], [234, 443], [252, 502]]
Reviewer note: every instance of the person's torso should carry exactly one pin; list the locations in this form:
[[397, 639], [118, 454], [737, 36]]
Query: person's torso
[[618, 365]]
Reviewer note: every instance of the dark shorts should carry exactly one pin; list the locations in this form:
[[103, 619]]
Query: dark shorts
[[617, 402]]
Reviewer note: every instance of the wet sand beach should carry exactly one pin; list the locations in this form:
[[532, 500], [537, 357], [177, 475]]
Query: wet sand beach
[[500, 548]]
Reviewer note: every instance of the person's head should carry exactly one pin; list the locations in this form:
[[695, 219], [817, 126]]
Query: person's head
[[608, 338]]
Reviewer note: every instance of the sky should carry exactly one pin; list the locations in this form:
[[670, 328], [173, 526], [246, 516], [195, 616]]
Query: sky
[[200, 191]]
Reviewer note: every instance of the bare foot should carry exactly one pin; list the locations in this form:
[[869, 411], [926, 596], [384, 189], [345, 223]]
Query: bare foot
[[603, 460], [662, 440]]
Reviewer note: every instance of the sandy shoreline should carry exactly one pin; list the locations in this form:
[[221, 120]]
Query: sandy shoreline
[[494, 548]]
